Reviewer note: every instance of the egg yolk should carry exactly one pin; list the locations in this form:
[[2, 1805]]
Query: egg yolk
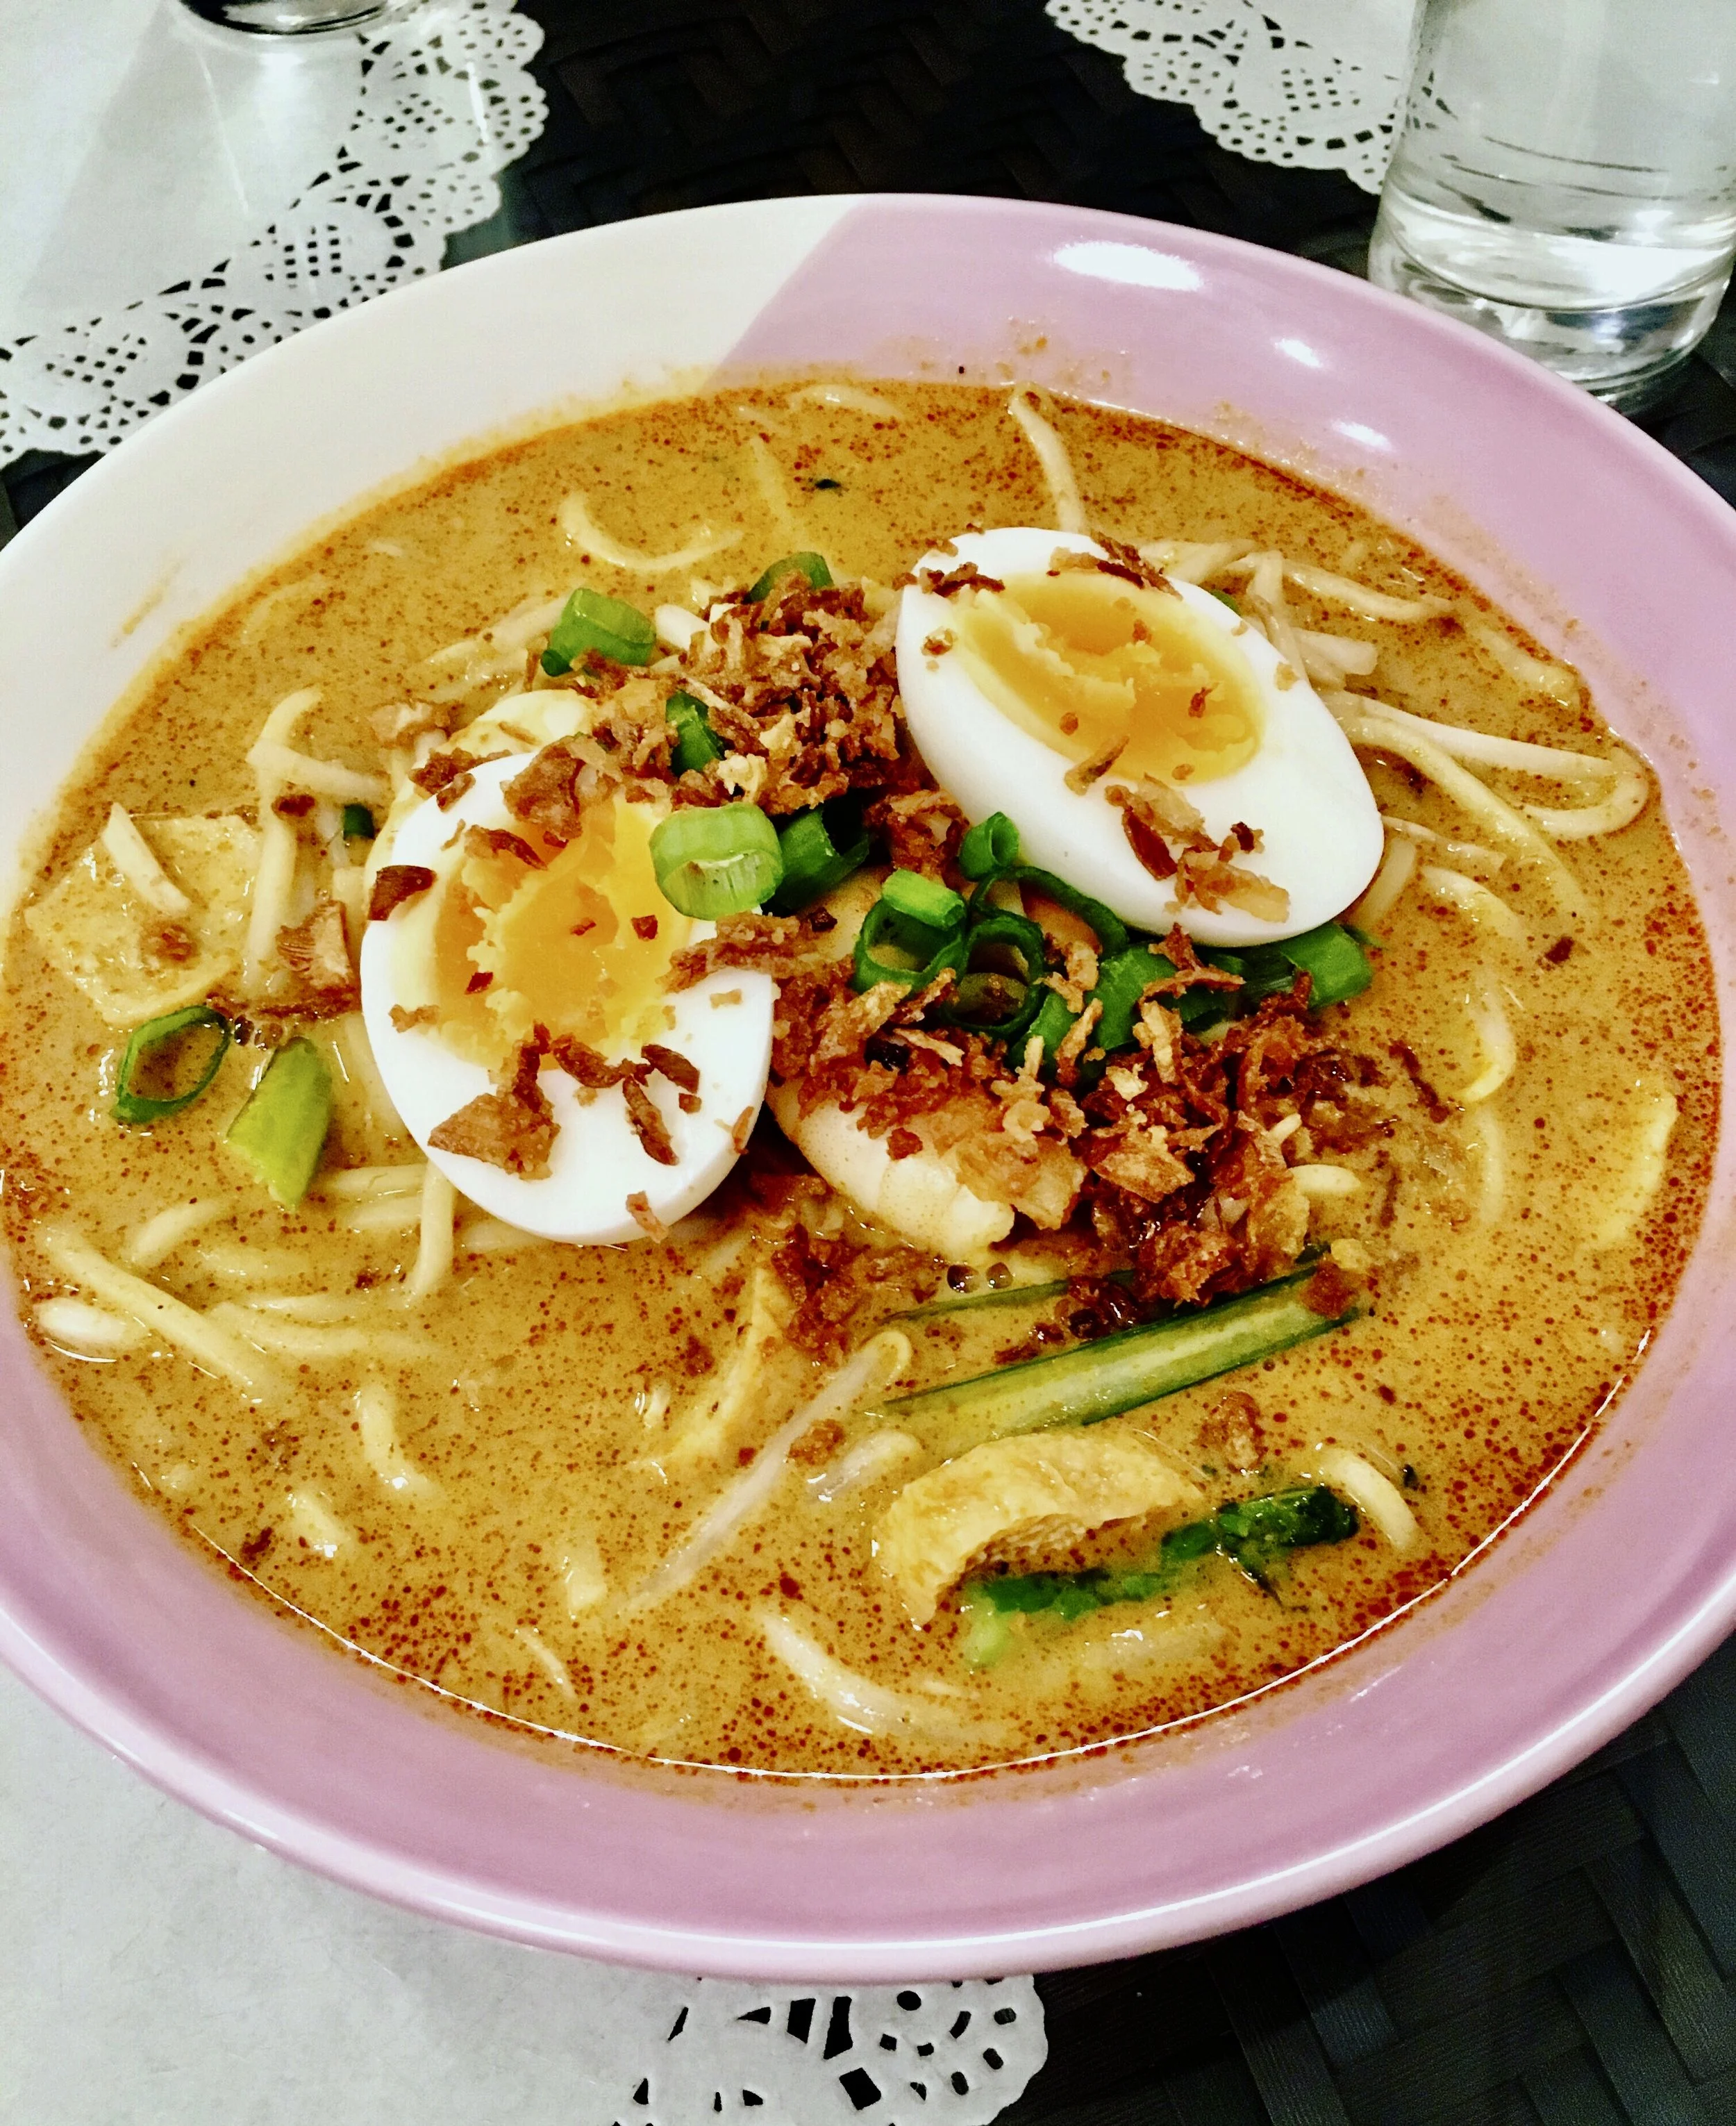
[[1085, 661], [512, 947]]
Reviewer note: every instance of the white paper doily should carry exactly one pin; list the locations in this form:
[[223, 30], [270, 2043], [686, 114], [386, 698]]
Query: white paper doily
[[1312, 83], [384, 143], [947, 2055]]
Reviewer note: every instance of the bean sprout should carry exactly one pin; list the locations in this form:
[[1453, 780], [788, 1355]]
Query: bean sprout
[[1194, 560], [854, 1700], [1461, 852], [1487, 1136], [1359, 599], [868, 403], [1064, 488], [880, 1360], [1377, 1495]]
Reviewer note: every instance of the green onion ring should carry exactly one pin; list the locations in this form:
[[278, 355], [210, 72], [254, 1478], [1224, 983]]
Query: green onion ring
[[883, 925], [1016, 934], [590, 622], [820, 849], [717, 860], [924, 900], [131, 1106], [812, 566], [990, 847], [1111, 932], [696, 744]]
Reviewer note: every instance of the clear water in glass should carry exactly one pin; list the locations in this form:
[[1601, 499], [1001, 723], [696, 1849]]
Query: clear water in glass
[[295, 18], [1565, 179]]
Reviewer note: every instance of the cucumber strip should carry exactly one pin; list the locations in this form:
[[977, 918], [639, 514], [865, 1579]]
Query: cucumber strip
[[1119, 1373]]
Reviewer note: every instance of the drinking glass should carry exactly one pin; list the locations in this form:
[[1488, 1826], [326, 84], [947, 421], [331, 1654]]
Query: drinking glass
[[294, 18], [1564, 179]]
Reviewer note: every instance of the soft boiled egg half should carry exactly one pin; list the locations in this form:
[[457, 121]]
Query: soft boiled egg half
[[578, 943], [1007, 688]]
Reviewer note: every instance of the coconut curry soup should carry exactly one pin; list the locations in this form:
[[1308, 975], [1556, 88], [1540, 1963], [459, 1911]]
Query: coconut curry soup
[[852, 1081]]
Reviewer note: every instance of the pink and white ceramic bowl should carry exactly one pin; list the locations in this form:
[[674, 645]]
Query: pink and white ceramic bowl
[[1619, 1581]]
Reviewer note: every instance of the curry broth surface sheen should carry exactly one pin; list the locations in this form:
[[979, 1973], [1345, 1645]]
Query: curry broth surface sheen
[[543, 1392]]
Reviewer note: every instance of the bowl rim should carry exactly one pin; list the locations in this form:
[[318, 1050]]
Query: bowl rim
[[180, 1767]]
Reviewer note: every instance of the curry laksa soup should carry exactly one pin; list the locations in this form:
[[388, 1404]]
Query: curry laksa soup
[[853, 1081]]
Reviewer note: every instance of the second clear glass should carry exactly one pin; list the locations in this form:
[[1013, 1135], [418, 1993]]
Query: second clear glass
[[1565, 178]]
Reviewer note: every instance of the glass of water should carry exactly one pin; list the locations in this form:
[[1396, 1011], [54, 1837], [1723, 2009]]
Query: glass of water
[[294, 18], [1564, 179]]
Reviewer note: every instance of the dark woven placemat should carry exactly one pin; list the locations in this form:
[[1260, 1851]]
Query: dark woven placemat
[[1572, 1964]]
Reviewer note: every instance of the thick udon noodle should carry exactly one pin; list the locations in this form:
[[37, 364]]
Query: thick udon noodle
[[601, 1493]]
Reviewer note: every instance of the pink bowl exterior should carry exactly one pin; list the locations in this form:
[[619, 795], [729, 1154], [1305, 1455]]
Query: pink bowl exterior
[[1620, 1580]]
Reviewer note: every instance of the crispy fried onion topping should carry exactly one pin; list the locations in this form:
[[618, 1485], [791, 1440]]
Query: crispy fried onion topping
[[1178, 1149], [513, 1127], [316, 952], [1168, 835], [393, 883]]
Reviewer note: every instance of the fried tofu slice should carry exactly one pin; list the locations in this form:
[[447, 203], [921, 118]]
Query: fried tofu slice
[[131, 961], [1027, 1503]]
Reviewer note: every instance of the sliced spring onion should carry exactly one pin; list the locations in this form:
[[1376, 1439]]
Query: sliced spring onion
[[922, 952], [696, 744], [993, 999], [1122, 982], [1252, 1534], [924, 900], [1111, 932], [132, 1106], [281, 1131], [1091, 1382], [812, 566], [591, 622], [1051, 1024], [1337, 966], [358, 823], [990, 848], [717, 860], [1337, 962], [821, 849]]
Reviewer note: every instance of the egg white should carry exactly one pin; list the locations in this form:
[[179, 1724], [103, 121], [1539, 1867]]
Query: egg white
[[1303, 788], [596, 1161]]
